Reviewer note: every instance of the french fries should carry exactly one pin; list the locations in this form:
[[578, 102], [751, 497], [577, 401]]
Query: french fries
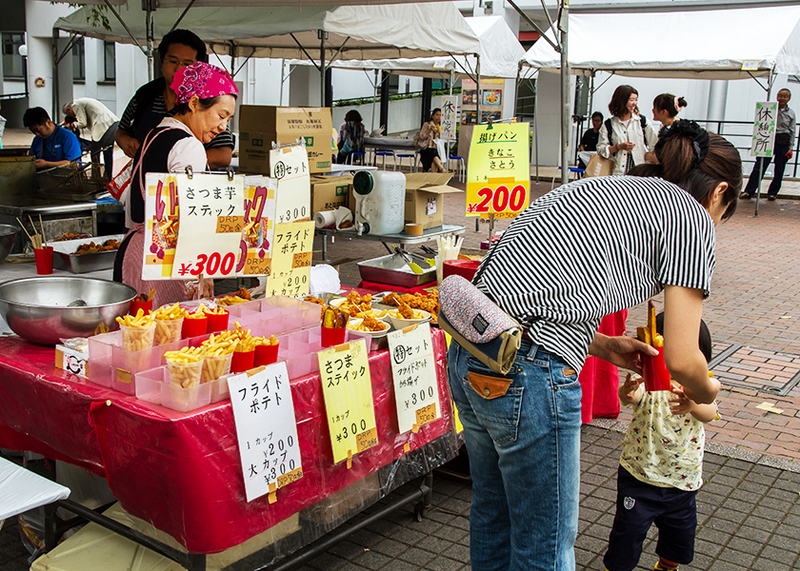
[[649, 334], [215, 310], [199, 313], [185, 366], [137, 331], [264, 341], [169, 320]]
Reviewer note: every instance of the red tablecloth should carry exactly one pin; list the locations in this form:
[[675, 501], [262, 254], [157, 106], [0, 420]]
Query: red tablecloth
[[179, 471]]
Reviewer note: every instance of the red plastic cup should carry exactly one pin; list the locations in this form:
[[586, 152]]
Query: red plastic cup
[[217, 322], [136, 305], [656, 375], [333, 336], [194, 327], [44, 260], [266, 354], [242, 361]]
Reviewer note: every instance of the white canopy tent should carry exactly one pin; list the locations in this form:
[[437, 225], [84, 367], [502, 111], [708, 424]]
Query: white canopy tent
[[500, 54], [699, 44], [331, 32]]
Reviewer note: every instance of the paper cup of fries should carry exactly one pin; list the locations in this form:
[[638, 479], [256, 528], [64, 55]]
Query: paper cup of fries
[[243, 361], [218, 321], [137, 337], [184, 370], [266, 353], [167, 331], [216, 366]]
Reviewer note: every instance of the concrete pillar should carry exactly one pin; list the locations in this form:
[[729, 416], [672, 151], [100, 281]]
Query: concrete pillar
[[64, 87]]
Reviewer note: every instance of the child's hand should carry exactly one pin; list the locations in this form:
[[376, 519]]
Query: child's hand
[[683, 404], [630, 387]]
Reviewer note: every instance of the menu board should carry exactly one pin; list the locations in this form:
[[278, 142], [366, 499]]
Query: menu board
[[289, 166], [347, 388], [266, 429], [498, 178], [414, 375]]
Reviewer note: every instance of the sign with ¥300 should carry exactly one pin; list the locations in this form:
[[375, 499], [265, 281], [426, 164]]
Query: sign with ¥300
[[414, 375], [498, 172]]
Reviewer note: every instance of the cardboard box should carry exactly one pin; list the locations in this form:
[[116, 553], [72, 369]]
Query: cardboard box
[[261, 125], [425, 198], [71, 360], [330, 192]]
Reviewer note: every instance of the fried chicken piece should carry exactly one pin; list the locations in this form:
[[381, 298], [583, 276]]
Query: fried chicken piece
[[407, 312], [244, 294], [373, 324], [312, 299]]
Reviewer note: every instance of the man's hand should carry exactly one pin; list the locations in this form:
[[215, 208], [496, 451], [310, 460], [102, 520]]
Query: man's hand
[[621, 351], [127, 142], [41, 163]]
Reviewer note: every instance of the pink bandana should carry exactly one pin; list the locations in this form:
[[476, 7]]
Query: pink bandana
[[202, 79]]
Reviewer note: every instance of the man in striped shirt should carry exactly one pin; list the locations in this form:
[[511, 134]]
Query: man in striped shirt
[[584, 250], [155, 100]]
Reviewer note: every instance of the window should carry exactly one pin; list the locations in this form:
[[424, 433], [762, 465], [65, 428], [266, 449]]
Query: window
[[109, 61], [13, 63], [78, 61]]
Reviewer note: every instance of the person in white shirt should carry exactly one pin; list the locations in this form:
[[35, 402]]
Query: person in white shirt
[[100, 122], [626, 136]]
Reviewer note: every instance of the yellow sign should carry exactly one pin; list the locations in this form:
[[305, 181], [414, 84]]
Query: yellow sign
[[347, 388], [498, 173], [291, 259]]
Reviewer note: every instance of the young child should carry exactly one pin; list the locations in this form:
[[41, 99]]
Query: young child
[[660, 472]]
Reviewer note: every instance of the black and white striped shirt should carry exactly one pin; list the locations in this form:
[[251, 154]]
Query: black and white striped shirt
[[594, 247]]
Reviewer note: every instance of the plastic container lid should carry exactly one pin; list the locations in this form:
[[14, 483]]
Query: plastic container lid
[[363, 182]]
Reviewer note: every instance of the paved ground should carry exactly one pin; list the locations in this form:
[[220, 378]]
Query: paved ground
[[749, 514]]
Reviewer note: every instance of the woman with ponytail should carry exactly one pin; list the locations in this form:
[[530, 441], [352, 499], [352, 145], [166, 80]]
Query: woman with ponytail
[[585, 250]]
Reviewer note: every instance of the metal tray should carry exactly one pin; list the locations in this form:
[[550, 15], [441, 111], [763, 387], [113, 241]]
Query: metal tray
[[393, 270], [64, 259]]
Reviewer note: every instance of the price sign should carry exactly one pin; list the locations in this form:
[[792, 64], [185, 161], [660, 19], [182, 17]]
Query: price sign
[[266, 430], [161, 225], [347, 388], [414, 374], [257, 226], [291, 259], [764, 129], [498, 177], [210, 221], [289, 165]]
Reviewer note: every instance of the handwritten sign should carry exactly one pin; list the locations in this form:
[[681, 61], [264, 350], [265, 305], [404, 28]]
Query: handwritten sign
[[266, 430], [414, 374], [291, 259], [449, 117], [498, 173], [764, 129], [347, 388], [210, 226], [258, 224], [289, 165]]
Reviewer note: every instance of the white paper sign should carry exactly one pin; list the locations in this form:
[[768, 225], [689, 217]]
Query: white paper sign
[[449, 117], [414, 374], [266, 429], [210, 224], [764, 125], [290, 166]]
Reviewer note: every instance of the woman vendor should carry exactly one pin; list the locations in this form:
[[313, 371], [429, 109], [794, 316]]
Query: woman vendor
[[583, 251], [206, 100]]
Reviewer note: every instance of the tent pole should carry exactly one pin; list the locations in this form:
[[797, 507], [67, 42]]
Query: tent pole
[[536, 125], [322, 34], [374, 99], [280, 93], [478, 92], [565, 104], [591, 94], [761, 167], [150, 39]]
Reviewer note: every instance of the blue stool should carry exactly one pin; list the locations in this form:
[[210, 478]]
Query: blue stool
[[462, 167], [412, 160], [360, 155], [383, 153], [572, 170]]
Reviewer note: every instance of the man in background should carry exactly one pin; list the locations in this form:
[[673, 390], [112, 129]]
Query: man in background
[[101, 124], [53, 145], [155, 100]]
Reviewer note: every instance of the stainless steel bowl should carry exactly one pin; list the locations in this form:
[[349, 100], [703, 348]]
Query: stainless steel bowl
[[46, 309], [8, 234]]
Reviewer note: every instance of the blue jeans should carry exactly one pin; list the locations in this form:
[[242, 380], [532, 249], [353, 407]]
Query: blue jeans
[[524, 457]]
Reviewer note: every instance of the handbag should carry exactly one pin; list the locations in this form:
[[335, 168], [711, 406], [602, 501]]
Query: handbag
[[478, 324], [599, 166]]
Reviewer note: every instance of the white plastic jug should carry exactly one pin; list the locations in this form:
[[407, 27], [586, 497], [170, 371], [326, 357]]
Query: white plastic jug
[[380, 201]]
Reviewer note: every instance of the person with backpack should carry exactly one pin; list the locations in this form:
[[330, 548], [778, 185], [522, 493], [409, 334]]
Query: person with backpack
[[627, 135], [351, 136]]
